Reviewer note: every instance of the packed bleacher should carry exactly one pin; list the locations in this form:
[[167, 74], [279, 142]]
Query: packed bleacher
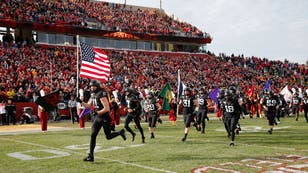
[[25, 70], [106, 16]]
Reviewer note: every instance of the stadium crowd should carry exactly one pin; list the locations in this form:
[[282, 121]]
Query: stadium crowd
[[111, 16], [26, 70]]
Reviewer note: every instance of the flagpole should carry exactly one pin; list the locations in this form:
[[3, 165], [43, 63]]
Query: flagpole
[[77, 75], [51, 63], [77, 54], [178, 93]]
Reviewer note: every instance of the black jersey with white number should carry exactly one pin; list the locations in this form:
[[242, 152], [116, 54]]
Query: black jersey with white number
[[151, 106], [96, 99], [296, 101], [202, 103], [133, 103], [271, 103], [231, 108], [188, 105]]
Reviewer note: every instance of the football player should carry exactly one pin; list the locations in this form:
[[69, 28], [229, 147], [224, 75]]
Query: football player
[[202, 110], [133, 112], [295, 103], [101, 116], [231, 109], [270, 105], [188, 103], [305, 105], [152, 107]]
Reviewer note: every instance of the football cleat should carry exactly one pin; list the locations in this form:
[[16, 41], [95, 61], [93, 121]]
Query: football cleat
[[237, 131], [133, 137], [89, 158], [122, 133]]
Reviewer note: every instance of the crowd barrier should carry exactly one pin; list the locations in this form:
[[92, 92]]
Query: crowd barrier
[[20, 106], [64, 111]]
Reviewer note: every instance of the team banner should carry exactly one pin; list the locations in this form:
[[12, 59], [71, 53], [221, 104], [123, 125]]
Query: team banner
[[214, 94], [49, 102], [167, 95]]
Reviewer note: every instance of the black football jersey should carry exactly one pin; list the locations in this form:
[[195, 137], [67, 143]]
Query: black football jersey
[[296, 101], [151, 106], [188, 105], [202, 102], [230, 108], [96, 99], [271, 103]]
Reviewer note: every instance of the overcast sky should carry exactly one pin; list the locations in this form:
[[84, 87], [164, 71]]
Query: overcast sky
[[274, 29]]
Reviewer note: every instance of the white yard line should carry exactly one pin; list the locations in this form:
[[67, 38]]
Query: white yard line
[[102, 158], [227, 143], [32, 131]]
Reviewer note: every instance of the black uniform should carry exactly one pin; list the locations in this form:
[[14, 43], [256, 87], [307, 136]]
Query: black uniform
[[271, 103], [282, 105], [295, 106], [100, 121], [202, 111], [231, 109], [220, 103], [134, 104], [188, 110], [153, 110], [305, 106]]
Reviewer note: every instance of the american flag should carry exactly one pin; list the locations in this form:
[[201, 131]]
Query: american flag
[[95, 63]]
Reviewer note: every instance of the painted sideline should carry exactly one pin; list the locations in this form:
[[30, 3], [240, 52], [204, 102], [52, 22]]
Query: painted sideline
[[81, 154]]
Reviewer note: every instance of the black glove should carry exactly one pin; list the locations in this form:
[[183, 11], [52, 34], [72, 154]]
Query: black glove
[[95, 112], [78, 100]]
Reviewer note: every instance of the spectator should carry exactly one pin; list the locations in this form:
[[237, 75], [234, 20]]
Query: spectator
[[72, 105], [10, 112]]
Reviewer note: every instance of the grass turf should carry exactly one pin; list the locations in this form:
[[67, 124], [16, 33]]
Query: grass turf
[[165, 153]]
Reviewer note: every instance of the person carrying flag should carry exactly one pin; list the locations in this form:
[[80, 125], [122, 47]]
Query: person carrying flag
[[220, 105], [188, 103], [101, 117]]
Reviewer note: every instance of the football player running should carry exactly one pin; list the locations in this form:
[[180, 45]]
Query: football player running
[[271, 105], [188, 103], [202, 110]]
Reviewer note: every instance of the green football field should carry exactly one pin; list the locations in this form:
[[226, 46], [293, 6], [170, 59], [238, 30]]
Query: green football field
[[24, 148]]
